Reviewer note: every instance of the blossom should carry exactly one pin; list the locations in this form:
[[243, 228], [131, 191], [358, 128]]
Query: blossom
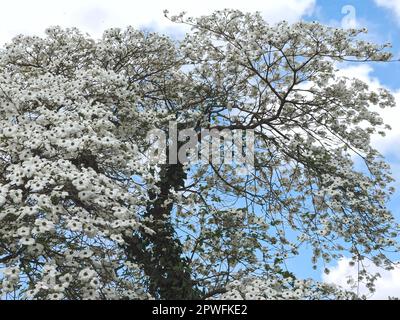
[[86, 274], [27, 241]]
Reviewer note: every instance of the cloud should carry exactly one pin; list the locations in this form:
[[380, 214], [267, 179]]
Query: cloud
[[389, 144], [387, 285], [25, 16], [362, 72], [393, 5]]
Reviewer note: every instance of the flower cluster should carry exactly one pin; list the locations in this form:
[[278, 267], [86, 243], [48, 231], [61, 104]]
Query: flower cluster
[[278, 288]]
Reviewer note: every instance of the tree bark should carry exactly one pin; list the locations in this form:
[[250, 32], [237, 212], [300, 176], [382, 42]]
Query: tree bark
[[160, 254]]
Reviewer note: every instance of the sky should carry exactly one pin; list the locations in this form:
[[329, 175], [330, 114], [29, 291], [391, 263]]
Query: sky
[[380, 17]]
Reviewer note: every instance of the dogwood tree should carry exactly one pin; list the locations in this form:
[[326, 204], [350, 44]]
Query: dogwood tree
[[86, 214]]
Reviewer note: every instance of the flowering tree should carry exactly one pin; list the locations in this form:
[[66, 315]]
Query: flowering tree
[[85, 214]]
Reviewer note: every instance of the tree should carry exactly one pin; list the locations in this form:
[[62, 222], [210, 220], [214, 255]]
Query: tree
[[85, 213]]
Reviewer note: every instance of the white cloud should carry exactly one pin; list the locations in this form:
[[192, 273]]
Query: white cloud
[[362, 72], [387, 285], [25, 16], [389, 144], [393, 5]]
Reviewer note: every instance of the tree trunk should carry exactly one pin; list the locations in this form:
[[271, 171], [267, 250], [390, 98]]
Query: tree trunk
[[161, 253]]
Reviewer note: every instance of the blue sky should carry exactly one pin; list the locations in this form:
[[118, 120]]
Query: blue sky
[[384, 26], [381, 17], [382, 23]]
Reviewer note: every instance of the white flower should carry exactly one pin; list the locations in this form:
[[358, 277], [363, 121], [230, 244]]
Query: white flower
[[11, 273], [85, 195], [74, 225], [86, 274], [23, 231], [27, 241], [44, 225], [65, 279], [2, 200], [9, 131], [35, 249], [117, 238], [94, 283], [55, 296], [85, 254]]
